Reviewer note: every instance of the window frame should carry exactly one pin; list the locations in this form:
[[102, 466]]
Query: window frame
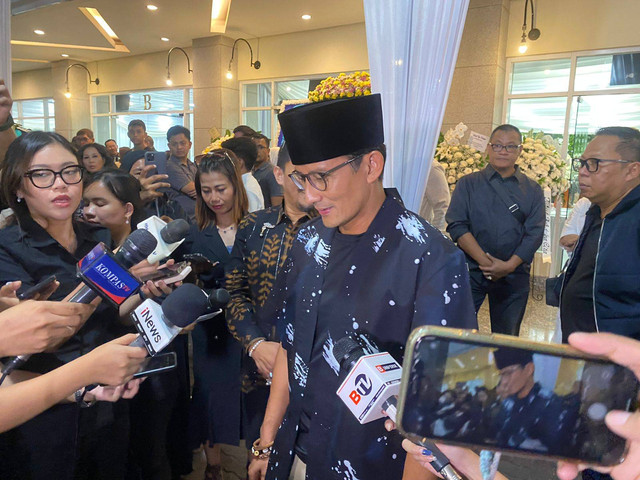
[[45, 108]]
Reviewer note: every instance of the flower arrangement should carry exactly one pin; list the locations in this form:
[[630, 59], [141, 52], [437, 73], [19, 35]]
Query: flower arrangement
[[356, 84], [217, 143], [458, 159], [540, 160]]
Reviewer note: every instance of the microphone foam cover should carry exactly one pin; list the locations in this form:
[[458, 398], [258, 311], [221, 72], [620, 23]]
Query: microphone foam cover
[[343, 351], [184, 305], [174, 231], [219, 298], [137, 246]]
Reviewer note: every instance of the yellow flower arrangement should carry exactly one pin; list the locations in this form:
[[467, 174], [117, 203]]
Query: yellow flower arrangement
[[356, 84], [217, 143]]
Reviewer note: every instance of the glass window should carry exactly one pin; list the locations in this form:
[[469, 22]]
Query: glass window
[[259, 120], [592, 112], [541, 76], [32, 108], [293, 90], [33, 123], [100, 104], [539, 114], [14, 110], [50, 105], [604, 72], [155, 101], [256, 95]]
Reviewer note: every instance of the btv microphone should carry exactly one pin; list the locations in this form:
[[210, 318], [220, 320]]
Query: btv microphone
[[371, 386], [160, 324], [105, 274], [169, 235]]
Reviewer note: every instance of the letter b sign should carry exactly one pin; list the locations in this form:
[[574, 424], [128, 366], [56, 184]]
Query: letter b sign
[[355, 397]]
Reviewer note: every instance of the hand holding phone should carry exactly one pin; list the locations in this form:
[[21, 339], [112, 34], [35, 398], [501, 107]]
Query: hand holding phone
[[199, 263], [41, 291], [169, 273], [504, 393]]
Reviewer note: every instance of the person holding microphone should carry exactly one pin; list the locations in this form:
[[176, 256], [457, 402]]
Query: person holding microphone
[[42, 183]]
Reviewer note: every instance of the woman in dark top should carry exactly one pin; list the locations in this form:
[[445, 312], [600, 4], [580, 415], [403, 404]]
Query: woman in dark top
[[94, 157], [220, 204], [42, 183]]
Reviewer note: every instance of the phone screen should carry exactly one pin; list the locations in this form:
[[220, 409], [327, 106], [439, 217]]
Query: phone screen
[[507, 398], [157, 364]]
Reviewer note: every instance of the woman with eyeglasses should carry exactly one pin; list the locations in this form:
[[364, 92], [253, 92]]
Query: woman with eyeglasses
[[42, 183], [221, 203]]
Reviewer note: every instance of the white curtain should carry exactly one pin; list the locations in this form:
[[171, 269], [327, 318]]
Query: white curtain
[[413, 47]]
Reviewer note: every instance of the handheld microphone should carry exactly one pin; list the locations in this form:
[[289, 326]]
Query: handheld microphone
[[160, 324], [371, 386], [168, 235], [105, 274], [217, 300]]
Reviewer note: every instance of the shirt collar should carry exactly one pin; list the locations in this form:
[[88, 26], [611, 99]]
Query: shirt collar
[[490, 172], [39, 237], [283, 217]]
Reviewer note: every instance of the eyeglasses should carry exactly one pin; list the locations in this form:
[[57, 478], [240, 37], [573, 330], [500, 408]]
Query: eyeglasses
[[44, 177], [592, 164], [317, 180], [498, 147]]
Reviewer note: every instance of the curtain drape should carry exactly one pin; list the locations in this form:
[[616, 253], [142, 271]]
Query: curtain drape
[[413, 47]]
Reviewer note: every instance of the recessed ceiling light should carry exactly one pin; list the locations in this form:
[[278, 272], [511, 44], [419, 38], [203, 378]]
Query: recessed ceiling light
[[164, 39], [65, 55], [306, 17], [39, 32], [153, 8]]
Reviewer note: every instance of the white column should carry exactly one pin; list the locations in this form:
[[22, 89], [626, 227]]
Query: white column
[[413, 47], [5, 42]]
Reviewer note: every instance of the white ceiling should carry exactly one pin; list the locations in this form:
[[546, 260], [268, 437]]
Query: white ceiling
[[181, 21]]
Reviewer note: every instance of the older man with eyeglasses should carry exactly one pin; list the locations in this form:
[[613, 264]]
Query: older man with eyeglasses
[[600, 291], [497, 218]]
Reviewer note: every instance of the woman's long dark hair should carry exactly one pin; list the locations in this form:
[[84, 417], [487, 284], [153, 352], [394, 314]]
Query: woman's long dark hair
[[16, 164], [125, 187], [225, 162], [108, 160]]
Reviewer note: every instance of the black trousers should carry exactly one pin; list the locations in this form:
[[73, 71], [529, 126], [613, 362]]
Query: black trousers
[[507, 298], [67, 442]]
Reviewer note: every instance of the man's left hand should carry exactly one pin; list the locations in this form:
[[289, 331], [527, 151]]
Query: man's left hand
[[498, 268]]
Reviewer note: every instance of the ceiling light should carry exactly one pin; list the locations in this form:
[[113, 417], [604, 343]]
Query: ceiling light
[[229, 74], [306, 17], [39, 32], [164, 39], [153, 8], [67, 94], [65, 55]]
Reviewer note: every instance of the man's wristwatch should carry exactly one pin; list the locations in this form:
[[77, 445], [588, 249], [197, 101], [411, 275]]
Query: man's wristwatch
[[8, 124]]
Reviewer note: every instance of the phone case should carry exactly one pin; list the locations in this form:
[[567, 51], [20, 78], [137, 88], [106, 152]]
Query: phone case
[[497, 340]]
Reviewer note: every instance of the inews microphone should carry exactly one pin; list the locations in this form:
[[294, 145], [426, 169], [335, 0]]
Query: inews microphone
[[169, 235], [160, 324], [105, 274], [371, 386]]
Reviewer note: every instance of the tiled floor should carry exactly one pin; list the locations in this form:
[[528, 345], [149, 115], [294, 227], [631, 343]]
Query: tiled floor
[[539, 324]]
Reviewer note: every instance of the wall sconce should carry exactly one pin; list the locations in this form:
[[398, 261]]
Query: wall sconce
[[534, 33], [255, 64], [169, 81], [66, 77]]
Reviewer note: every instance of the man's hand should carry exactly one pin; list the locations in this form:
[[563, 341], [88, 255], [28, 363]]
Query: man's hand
[[32, 327], [258, 468], [265, 357], [115, 362], [5, 102], [8, 296], [151, 184], [568, 242], [498, 268], [113, 394], [623, 351]]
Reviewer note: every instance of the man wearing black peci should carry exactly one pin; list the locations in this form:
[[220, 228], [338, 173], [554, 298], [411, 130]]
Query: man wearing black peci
[[366, 268]]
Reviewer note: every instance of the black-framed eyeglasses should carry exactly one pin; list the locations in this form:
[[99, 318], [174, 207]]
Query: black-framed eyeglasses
[[45, 177], [498, 147], [317, 180], [592, 164]]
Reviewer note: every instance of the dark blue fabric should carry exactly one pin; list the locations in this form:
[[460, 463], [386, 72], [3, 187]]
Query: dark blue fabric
[[616, 284], [477, 209]]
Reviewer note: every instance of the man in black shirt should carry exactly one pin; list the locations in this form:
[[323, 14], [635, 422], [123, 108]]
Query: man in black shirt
[[497, 218], [600, 290], [263, 173]]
